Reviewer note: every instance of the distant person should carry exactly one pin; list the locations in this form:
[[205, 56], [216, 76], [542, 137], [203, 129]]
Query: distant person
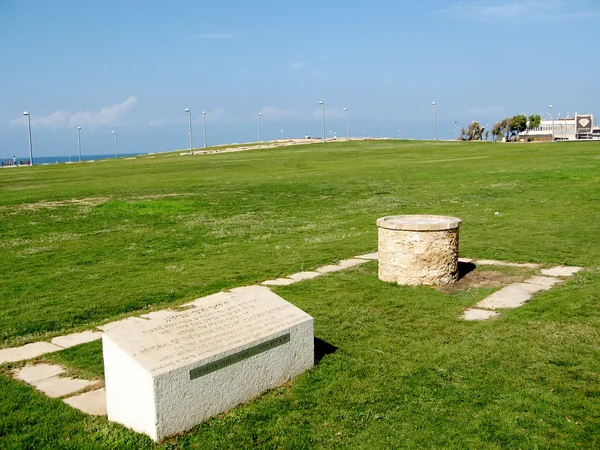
[[306, 136], [14, 161]]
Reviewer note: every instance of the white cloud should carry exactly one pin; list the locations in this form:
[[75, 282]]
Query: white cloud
[[524, 10], [106, 115]]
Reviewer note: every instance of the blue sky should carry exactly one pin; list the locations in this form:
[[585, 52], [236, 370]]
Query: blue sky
[[133, 66]]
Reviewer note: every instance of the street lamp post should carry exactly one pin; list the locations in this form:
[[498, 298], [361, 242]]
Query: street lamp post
[[552, 116], [29, 129], [281, 134], [79, 141], [399, 134], [323, 118], [258, 119], [347, 123], [189, 112], [204, 118], [434, 121], [116, 143]]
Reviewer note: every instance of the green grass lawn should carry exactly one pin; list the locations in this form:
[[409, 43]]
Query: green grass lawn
[[407, 373]]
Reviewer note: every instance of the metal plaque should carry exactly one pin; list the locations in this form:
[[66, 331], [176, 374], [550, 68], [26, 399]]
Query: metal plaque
[[237, 357]]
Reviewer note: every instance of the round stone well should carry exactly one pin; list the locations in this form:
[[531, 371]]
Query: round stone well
[[418, 249]]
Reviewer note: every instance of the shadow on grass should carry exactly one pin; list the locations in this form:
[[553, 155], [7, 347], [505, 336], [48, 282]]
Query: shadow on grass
[[465, 268], [322, 349]]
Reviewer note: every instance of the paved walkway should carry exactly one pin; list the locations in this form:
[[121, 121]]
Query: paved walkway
[[517, 294], [89, 396]]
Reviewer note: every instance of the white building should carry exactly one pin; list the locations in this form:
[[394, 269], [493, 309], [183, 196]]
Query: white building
[[581, 126]]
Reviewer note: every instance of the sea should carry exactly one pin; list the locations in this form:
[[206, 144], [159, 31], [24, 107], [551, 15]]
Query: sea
[[38, 160]]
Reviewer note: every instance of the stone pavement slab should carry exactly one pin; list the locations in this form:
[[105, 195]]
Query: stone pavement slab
[[561, 271], [73, 339], [545, 282], [330, 268], [305, 275], [347, 263], [512, 296], [279, 282], [32, 374], [27, 351], [478, 314], [92, 402], [57, 387], [369, 256]]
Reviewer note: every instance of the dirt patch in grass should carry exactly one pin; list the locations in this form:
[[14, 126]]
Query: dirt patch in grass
[[93, 201], [474, 278]]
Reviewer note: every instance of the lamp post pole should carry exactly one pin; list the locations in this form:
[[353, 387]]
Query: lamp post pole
[[347, 123], [281, 134], [29, 129], [434, 121], [204, 118], [323, 118], [79, 141], [258, 119], [116, 143], [189, 112], [552, 116]]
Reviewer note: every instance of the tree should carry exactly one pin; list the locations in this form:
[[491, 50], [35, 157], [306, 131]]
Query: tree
[[534, 121], [497, 130], [510, 127], [474, 133], [518, 124], [506, 129]]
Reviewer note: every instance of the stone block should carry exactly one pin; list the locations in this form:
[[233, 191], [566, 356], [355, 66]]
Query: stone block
[[119, 323], [168, 374]]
